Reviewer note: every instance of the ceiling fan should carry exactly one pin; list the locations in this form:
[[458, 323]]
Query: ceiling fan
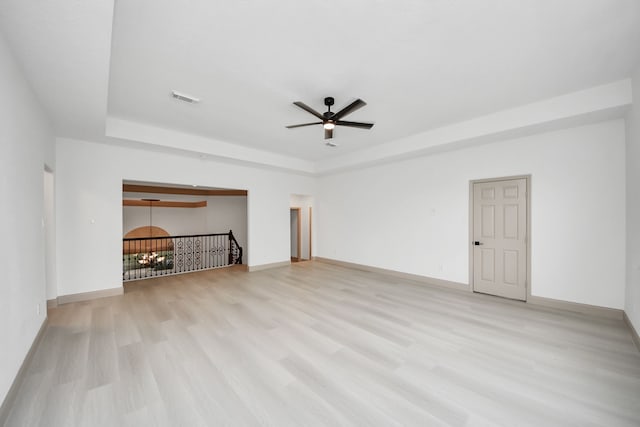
[[329, 119]]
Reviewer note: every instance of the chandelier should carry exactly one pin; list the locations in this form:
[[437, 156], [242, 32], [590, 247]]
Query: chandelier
[[150, 258]]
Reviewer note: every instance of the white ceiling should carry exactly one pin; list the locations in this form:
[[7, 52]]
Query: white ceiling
[[419, 64]]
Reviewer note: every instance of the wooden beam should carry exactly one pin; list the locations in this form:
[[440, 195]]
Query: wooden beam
[[133, 188], [164, 204]]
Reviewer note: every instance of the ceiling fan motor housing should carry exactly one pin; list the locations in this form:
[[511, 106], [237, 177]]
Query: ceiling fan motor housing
[[328, 101]]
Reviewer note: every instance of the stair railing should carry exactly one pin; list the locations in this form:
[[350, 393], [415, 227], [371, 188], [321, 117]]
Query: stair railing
[[148, 257]]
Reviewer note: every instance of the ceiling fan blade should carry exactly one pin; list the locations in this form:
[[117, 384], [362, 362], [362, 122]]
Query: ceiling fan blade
[[308, 109], [328, 133], [358, 103], [304, 124], [354, 124]]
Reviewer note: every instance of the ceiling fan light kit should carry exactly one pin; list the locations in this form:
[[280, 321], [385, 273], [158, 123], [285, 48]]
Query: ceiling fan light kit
[[329, 119]]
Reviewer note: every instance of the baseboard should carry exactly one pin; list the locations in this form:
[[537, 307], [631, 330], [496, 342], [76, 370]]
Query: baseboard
[[10, 398], [260, 267], [408, 276], [591, 310], [52, 303], [84, 296], [634, 333]]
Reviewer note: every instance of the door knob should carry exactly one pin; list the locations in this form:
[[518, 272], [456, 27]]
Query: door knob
[[477, 243]]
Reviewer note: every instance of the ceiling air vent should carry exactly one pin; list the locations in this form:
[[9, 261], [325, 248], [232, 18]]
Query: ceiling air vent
[[184, 97]]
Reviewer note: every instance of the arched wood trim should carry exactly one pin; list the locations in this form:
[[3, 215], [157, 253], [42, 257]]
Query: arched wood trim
[[152, 245]]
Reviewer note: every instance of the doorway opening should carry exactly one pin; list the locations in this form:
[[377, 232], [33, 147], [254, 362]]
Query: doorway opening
[[500, 247], [301, 227], [296, 231], [175, 228]]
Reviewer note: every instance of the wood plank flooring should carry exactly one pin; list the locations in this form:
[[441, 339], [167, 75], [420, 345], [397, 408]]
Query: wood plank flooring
[[320, 345]]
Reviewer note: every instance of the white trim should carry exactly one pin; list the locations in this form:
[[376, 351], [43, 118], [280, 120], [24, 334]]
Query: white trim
[[10, 398], [407, 276], [85, 296], [634, 334], [591, 310], [586, 309], [260, 267]]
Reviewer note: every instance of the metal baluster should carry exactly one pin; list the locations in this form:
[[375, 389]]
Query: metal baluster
[[162, 264], [138, 250], [190, 254], [154, 253], [145, 249]]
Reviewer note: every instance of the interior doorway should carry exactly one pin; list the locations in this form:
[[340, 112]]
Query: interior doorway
[[301, 231], [48, 224], [310, 233], [296, 234], [499, 254], [177, 228]]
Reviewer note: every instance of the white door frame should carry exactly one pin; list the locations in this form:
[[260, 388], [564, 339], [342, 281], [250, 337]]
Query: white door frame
[[527, 179], [49, 229], [310, 230]]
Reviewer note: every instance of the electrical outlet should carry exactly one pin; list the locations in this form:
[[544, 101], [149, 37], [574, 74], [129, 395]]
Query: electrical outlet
[[38, 309]]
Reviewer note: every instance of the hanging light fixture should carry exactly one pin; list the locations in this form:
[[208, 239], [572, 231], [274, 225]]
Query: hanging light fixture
[[149, 258], [150, 214]]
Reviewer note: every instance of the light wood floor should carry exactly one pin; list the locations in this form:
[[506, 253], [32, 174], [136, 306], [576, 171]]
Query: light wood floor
[[316, 344]]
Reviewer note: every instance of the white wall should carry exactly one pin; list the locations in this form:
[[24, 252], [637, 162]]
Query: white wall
[[89, 206], [226, 213], [413, 216], [27, 144], [632, 300], [222, 213], [304, 203]]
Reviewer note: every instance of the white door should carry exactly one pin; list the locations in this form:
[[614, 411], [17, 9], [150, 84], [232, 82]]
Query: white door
[[499, 238]]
